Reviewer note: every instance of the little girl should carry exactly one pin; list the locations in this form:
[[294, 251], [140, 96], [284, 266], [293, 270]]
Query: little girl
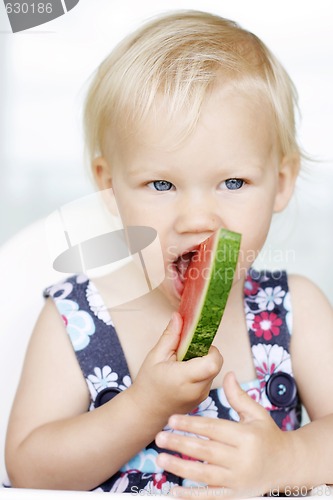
[[190, 124]]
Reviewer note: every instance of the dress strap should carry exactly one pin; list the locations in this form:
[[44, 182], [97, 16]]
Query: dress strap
[[269, 320], [93, 337]]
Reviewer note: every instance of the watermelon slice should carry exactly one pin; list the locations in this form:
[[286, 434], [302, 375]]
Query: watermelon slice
[[208, 281]]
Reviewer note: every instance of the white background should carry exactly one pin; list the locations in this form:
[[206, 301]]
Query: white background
[[43, 80]]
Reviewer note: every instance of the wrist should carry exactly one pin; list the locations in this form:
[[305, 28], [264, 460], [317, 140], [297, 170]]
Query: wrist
[[146, 408], [296, 473]]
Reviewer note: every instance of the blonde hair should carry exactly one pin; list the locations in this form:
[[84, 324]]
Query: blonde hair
[[181, 56]]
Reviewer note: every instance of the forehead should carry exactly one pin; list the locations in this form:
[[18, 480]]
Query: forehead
[[236, 111], [231, 120]]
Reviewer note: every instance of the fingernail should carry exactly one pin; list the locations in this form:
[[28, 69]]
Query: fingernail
[[172, 421], [160, 439], [173, 321]]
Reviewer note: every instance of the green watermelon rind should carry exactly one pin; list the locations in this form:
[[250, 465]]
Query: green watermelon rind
[[215, 294]]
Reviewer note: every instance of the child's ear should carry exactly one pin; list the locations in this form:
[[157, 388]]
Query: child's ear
[[102, 173], [287, 176], [103, 178]]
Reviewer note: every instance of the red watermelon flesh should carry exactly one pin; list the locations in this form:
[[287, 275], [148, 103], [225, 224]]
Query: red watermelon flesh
[[208, 280]]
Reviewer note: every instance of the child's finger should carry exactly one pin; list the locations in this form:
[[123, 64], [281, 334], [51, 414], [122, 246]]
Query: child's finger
[[224, 431], [206, 367], [240, 401], [197, 448], [169, 340], [193, 470]]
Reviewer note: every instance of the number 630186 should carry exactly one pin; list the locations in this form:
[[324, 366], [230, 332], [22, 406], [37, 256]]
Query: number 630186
[[25, 8]]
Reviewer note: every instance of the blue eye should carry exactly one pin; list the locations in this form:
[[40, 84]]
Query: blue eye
[[161, 185], [233, 184]]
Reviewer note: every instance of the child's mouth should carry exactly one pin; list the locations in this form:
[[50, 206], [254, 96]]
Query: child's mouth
[[181, 265]]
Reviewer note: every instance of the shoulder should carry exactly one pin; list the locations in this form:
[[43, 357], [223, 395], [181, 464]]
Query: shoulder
[[307, 298], [61, 313], [312, 311]]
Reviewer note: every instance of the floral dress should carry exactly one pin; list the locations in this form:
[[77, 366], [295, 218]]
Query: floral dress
[[102, 361]]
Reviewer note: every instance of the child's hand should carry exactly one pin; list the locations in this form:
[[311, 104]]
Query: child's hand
[[244, 458], [169, 386]]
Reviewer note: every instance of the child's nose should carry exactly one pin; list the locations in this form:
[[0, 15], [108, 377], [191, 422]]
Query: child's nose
[[199, 215]]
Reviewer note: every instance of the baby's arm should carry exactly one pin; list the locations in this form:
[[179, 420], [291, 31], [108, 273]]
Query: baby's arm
[[312, 355], [254, 456], [54, 443]]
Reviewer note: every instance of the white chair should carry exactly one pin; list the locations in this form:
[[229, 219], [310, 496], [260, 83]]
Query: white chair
[[25, 270]]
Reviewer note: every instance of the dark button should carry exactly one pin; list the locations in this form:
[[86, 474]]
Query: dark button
[[281, 390], [106, 395]]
